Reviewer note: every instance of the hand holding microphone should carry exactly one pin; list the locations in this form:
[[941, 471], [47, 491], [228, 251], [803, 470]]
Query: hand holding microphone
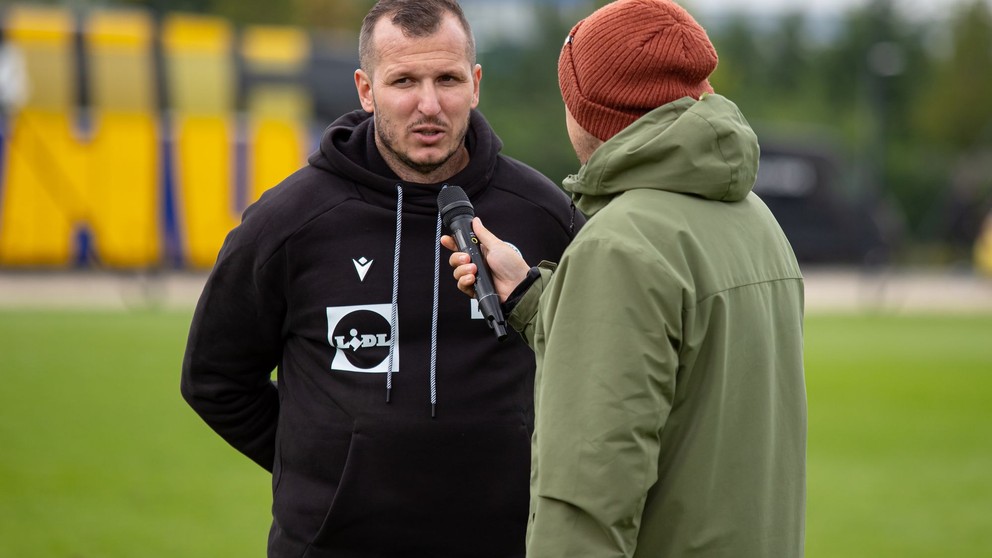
[[475, 254], [507, 268]]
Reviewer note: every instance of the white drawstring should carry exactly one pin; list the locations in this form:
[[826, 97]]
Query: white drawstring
[[393, 325], [437, 281]]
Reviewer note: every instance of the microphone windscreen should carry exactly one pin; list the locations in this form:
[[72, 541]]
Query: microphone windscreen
[[452, 202]]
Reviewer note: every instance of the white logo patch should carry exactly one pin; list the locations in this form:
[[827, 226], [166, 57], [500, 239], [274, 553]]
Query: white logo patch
[[361, 338], [362, 266]]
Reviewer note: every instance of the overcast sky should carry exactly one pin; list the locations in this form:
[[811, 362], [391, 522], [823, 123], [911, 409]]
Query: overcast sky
[[915, 8]]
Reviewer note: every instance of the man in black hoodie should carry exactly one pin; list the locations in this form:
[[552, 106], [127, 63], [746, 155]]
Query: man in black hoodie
[[399, 425]]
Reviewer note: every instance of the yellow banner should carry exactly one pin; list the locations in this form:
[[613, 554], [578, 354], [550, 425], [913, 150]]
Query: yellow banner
[[103, 165]]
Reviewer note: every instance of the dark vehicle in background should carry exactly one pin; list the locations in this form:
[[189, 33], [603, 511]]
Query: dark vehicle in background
[[802, 187]]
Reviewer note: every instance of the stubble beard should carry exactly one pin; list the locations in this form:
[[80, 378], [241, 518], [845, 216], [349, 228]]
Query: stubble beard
[[387, 142]]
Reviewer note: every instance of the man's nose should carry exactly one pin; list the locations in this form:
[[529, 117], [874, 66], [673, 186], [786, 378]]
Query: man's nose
[[429, 103]]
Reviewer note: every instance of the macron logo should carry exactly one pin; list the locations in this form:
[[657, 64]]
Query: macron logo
[[362, 266]]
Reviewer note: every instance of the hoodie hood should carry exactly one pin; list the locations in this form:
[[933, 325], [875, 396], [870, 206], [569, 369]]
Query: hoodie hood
[[348, 149], [702, 148]]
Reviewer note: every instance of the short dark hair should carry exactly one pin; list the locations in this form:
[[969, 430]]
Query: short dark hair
[[416, 18]]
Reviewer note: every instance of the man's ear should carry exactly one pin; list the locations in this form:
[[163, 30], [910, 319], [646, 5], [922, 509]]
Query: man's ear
[[476, 79], [363, 83]]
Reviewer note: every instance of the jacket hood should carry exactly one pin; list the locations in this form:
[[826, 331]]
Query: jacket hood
[[348, 149], [702, 148]]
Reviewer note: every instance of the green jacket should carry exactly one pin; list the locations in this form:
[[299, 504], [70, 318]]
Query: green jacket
[[670, 400]]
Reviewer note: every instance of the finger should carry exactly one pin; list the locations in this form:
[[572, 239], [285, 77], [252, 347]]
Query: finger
[[465, 270], [466, 284], [448, 242], [459, 258], [485, 237]]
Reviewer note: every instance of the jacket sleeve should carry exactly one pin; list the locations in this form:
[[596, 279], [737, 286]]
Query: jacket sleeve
[[235, 342], [611, 322], [522, 317]]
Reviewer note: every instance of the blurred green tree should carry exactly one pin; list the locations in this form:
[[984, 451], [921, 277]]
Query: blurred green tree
[[955, 110], [953, 123], [520, 97], [332, 14]]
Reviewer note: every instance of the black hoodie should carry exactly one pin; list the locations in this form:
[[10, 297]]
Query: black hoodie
[[307, 283]]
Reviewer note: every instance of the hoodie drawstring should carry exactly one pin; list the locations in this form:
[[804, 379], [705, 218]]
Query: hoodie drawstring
[[437, 281], [394, 324]]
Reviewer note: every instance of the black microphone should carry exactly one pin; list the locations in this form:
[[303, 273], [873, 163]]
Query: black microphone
[[457, 213]]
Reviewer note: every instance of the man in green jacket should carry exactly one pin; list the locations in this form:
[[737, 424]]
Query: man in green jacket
[[670, 398]]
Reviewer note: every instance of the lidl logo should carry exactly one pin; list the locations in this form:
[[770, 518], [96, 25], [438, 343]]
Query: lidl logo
[[361, 338]]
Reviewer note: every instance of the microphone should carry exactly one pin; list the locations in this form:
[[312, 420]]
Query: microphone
[[457, 213]]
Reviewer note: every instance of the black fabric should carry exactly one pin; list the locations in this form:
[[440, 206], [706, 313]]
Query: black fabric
[[353, 475], [518, 292]]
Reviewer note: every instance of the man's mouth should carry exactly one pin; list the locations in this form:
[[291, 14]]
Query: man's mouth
[[428, 131]]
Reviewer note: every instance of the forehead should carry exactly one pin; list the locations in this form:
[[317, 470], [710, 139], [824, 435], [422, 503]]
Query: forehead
[[447, 47]]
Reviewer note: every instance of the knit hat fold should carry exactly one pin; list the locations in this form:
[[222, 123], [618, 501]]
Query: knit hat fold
[[630, 57]]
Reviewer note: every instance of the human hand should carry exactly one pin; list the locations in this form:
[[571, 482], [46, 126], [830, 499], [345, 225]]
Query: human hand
[[506, 266]]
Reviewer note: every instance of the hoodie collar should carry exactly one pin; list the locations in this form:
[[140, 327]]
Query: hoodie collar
[[704, 148], [348, 149]]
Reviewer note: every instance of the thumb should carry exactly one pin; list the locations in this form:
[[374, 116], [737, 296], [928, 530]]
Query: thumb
[[486, 238]]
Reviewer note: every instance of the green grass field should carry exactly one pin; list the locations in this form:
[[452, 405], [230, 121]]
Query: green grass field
[[101, 458]]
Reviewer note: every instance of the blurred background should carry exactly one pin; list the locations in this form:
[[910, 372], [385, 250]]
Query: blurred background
[[134, 133]]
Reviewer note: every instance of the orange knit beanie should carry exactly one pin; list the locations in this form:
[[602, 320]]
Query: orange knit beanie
[[630, 57]]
